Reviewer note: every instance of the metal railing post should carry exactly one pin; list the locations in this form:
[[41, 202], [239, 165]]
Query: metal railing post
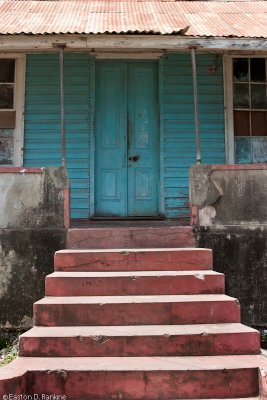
[[196, 112], [62, 106]]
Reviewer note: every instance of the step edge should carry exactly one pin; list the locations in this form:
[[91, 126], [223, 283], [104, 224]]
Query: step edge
[[138, 299], [134, 250], [128, 274], [171, 330]]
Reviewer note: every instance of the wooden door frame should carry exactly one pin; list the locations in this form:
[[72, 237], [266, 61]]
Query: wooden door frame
[[161, 197]]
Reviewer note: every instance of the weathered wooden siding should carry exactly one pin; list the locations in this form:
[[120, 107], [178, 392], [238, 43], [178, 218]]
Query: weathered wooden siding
[[177, 124], [42, 120]]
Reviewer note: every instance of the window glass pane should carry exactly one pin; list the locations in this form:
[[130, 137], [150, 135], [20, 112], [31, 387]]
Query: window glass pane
[[6, 96], [7, 70], [241, 95], [240, 69], [6, 132], [243, 150], [258, 123], [258, 96], [257, 70], [6, 151], [241, 123], [250, 93], [259, 149]]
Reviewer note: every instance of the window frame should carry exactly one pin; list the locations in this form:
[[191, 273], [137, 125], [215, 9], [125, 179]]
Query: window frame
[[18, 106], [228, 101]]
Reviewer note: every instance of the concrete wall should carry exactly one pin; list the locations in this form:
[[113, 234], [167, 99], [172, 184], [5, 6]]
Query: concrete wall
[[241, 254], [229, 195], [32, 228], [229, 212]]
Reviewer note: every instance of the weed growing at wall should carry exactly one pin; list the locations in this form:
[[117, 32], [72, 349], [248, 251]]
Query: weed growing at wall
[[8, 349]]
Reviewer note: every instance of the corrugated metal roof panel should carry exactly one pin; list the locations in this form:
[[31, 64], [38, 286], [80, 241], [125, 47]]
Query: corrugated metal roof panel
[[205, 18]]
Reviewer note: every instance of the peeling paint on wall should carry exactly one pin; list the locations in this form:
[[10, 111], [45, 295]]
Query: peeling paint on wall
[[207, 215], [230, 196]]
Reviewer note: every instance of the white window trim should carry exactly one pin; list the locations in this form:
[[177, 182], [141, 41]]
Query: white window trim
[[19, 96], [228, 109], [228, 101]]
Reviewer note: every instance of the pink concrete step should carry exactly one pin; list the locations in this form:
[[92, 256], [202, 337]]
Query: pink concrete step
[[133, 283], [146, 378], [136, 310], [130, 237], [133, 260], [145, 340]]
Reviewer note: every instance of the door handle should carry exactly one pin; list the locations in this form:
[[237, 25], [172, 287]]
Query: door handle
[[134, 158]]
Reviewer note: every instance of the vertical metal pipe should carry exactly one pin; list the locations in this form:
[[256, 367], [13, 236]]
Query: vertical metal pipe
[[194, 70], [62, 107]]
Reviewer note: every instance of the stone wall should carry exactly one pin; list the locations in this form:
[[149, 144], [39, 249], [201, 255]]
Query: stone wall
[[32, 228]]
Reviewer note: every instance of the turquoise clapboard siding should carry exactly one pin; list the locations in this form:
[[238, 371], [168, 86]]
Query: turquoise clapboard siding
[[177, 124], [42, 146], [42, 123]]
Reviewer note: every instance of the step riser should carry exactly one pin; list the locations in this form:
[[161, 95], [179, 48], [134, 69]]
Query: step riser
[[118, 238], [134, 261], [134, 346], [136, 313], [91, 351], [136, 385], [196, 284], [15, 385]]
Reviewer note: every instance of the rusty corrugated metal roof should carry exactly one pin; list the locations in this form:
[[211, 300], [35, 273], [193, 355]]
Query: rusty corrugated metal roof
[[204, 18]]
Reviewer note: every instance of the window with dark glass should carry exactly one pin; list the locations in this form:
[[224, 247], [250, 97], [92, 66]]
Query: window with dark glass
[[250, 109], [7, 110]]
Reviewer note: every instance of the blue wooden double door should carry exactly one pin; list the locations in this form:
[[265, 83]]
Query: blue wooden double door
[[126, 139]]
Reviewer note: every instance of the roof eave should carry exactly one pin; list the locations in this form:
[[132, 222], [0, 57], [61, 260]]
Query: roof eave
[[91, 42]]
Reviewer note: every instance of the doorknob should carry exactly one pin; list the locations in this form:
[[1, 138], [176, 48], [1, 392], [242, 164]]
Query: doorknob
[[134, 158]]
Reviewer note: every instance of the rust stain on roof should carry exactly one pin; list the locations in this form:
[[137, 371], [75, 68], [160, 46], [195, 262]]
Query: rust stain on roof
[[188, 18]]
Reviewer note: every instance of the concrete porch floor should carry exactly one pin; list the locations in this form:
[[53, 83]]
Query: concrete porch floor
[[116, 234], [129, 222]]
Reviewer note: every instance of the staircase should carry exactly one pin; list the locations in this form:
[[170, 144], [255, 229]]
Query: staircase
[[148, 323]]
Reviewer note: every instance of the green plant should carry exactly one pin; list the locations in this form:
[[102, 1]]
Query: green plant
[[8, 350], [9, 356]]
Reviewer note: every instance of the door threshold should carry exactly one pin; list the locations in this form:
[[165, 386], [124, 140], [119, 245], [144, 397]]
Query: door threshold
[[107, 222], [160, 218]]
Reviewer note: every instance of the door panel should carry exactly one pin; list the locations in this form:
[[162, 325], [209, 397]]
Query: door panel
[[143, 157], [111, 139], [127, 159]]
